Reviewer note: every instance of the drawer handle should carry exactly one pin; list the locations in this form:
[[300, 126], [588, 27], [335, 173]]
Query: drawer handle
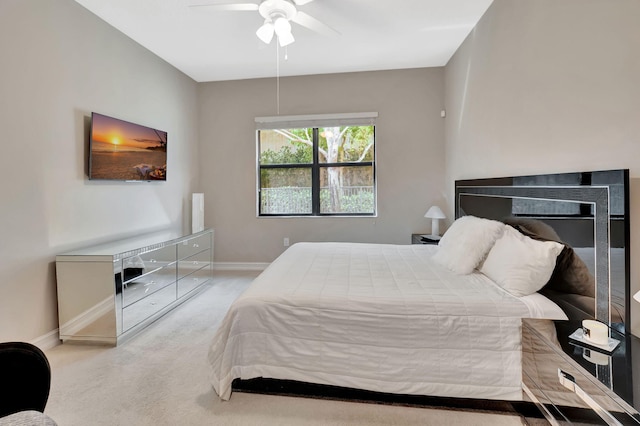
[[195, 262], [152, 260], [569, 382], [150, 283], [196, 245]]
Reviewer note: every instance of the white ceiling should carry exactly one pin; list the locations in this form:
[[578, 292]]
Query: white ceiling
[[213, 45]]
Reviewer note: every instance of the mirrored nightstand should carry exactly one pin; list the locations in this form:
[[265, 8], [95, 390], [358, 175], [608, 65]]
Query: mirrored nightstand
[[575, 384]]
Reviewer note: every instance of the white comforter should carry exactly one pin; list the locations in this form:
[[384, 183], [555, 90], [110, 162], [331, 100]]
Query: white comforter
[[376, 317]]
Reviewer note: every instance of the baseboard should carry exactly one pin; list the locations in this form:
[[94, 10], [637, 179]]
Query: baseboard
[[239, 266], [47, 341]]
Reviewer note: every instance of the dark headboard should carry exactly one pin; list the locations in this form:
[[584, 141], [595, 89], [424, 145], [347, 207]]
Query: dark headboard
[[588, 210]]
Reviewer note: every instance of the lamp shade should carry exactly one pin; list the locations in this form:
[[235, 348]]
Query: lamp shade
[[285, 39], [265, 32], [282, 26], [434, 212], [637, 297]]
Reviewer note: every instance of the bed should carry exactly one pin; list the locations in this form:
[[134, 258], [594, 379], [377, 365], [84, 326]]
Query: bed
[[377, 317], [397, 319]]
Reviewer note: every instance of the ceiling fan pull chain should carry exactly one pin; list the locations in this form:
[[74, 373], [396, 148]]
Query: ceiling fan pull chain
[[277, 78]]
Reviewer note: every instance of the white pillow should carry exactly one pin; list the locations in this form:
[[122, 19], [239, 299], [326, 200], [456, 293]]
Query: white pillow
[[467, 242], [519, 264]]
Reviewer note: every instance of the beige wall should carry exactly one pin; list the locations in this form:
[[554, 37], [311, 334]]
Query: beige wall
[[60, 63], [410, 156], [548, 86]]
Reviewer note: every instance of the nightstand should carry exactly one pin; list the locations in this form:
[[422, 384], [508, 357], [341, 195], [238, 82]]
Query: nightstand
[[572, 383], [419, 239]]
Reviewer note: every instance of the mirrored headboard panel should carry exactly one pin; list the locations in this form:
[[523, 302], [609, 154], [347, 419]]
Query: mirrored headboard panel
[[588, 211]]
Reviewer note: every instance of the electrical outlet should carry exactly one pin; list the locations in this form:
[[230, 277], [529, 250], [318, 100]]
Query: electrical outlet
[[286, 242]]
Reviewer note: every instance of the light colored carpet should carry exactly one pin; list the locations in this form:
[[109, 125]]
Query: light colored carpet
[[160, 377]]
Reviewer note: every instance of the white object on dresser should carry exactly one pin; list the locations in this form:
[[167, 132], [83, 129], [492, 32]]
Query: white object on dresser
[[110, 291], [197, 212]]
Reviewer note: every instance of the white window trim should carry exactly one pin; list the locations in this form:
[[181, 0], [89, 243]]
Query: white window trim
[[316, 120]]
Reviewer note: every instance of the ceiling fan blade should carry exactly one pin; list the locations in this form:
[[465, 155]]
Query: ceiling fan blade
[[301, 2], [313, 24], [235, 7]]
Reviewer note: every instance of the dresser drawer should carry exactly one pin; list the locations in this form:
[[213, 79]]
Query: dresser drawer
[[194, 245], [137, 312], [193, 281], [147, 284], [157, 258], [194, 263]]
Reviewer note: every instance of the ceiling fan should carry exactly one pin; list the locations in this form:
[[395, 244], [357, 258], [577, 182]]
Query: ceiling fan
[[278, 15]]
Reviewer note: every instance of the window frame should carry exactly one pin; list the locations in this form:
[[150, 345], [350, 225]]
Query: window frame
[[315, 168]]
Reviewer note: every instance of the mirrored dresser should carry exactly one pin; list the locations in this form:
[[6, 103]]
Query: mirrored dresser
[[574, 383], [109, 292]]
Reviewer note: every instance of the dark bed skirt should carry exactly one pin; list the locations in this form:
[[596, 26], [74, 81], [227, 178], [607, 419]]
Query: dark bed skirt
[[311, 390]]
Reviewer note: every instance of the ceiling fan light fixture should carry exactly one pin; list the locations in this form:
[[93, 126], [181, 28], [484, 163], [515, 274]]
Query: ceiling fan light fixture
[[285, 39], [265, 32]]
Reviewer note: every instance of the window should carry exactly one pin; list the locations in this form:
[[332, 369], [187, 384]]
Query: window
[[317, 171]]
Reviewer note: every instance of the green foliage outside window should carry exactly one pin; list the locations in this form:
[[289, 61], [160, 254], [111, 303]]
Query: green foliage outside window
[[296, 153]]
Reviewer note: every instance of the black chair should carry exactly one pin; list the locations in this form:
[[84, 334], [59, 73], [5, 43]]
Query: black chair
[[25, 378]]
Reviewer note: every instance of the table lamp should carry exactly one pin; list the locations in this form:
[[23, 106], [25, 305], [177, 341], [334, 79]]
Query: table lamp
[[435, 214]]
